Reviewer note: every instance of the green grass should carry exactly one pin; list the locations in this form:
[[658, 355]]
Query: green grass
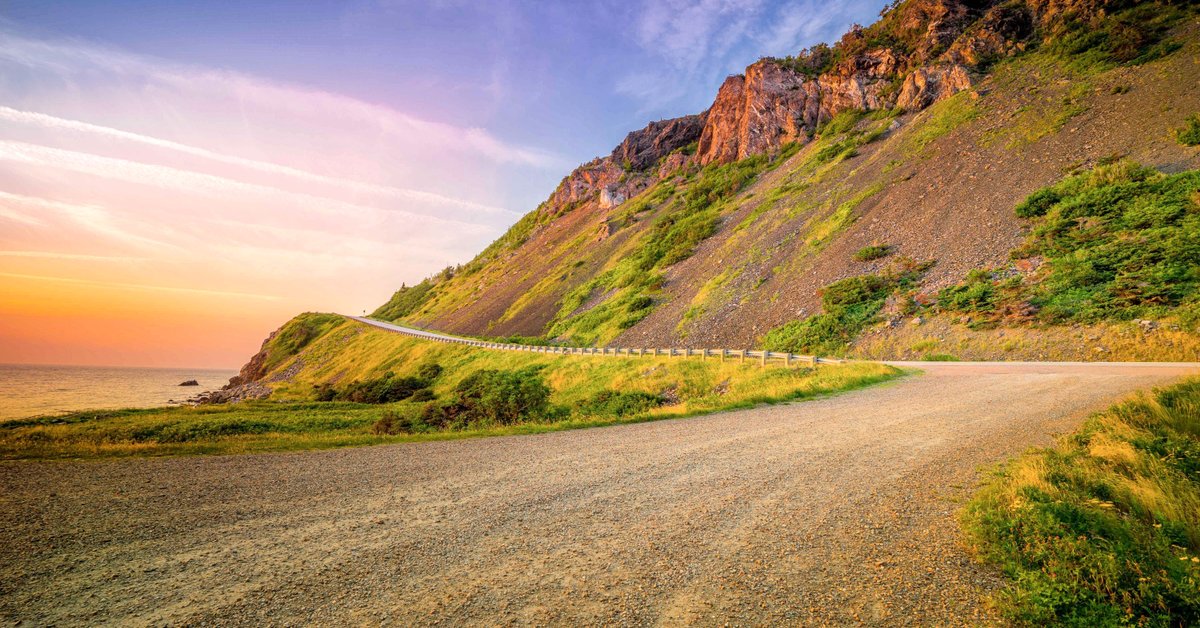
[[843, 216], [1189, 134], [1104, 528], [1119, 242], [942, 118], [585, 391], [849, 305], [872, 252], [693, 216], [295, 335], [405, 301]]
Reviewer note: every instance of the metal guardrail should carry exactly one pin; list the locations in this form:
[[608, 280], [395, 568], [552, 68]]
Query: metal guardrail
[[762, 357]]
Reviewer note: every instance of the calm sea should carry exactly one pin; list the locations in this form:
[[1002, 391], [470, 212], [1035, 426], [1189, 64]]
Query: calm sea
[[27, 390]]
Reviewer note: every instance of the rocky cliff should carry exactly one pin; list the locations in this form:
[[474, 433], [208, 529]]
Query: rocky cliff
[[922, 52], [755, 256]]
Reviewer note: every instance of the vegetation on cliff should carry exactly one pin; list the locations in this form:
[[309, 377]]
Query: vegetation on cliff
[[1103, 529], [1120, 241], [611, 256]]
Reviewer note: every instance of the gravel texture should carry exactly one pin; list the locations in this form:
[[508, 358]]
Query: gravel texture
[[834, 511]]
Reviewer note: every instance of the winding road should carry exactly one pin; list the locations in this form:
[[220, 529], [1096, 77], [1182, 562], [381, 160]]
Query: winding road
[[837, 510]]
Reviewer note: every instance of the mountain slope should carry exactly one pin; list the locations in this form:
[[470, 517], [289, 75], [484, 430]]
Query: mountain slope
[[918, 134]]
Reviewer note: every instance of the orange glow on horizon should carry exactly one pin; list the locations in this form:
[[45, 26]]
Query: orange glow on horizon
[[65, 322]]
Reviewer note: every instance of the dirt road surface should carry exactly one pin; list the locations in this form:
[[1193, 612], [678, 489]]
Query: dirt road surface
[[839, 510]]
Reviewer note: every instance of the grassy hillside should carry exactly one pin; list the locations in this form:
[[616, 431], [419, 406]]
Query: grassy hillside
[[1104, 529], [722, 255], [352, 384]]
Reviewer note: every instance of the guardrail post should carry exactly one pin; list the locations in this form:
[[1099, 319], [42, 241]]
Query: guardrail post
[[787, 359], [764, 358], [742, 356]]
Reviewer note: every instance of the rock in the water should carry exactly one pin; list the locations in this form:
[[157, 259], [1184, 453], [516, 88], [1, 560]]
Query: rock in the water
[[190, 382]]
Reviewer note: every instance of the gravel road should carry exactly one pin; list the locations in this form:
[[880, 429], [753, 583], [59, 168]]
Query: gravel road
[[833, 511]]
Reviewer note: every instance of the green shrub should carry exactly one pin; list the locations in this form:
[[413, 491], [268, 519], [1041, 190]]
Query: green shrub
[[849, 306], [492, 397], [429, 372], [384, 389], [872, 252], [615, 404], [1132, 35], [1189, 135], [324, 392], [1038, 203], [640, 303], [1103, 529], [405, 301], [1120, 241], [392, 423], [977, 294]]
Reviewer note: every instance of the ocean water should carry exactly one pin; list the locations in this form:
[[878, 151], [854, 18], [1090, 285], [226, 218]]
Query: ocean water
[[29, 390]]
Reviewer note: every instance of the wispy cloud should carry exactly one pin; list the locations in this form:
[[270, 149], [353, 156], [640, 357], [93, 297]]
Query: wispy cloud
[[195, 182], [72, 57], [98, 220], [51, 122]]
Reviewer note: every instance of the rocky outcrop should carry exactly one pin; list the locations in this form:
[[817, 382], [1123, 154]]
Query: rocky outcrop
[[1001, 32], [921, 52], [642, 149], [255, 369], [610, 181], [861, 82], [753, 113], [232, 394], [190, 382], [925, 86]]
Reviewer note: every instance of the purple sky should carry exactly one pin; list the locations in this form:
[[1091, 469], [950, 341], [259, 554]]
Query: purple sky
[[272, 157]]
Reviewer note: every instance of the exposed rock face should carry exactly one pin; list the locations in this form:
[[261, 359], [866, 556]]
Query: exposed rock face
[[774, 103], [768, 106], [253, 370], [858, 83], [1001, 32], [611, 180], [925, 86], [642, 149], [934, 48]]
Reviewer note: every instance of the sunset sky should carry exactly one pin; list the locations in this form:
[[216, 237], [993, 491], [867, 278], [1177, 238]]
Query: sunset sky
[[178, 179]]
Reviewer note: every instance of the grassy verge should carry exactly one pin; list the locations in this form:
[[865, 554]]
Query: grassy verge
[[1103, 529], [583, 392]]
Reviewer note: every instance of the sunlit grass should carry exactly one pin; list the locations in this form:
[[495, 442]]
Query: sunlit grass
[[352, 351], [1103, 529]]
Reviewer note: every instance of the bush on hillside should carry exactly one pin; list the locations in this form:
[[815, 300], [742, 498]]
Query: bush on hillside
[[872, 252], [492, 397], [849, 306], [1120, 241], [1189, 135], [387, 388], [618, 404]]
